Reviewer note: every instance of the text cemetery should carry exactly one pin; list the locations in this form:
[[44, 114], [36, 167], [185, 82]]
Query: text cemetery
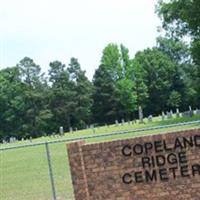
[[161, 161]]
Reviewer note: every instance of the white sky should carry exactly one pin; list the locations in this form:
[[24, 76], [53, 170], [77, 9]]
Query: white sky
[[48, 30]]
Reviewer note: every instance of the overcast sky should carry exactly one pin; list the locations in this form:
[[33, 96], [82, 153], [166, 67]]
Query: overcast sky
[[48, 30]]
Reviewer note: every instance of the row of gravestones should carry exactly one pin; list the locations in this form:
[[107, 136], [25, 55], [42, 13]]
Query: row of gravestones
[[167, 115], [14, 139], [11, 140], [188, 113], [164, 116]]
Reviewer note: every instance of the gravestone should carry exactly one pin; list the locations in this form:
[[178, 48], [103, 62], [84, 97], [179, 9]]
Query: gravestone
[[177, 113], [171, 113], [61, 131], [71, 130], [12, 139], [140, 111], [190, 111], [154, 167], [122, 122], [198, 112], [187, 114], [168, 115], [92, 128], [116, 123], [163, 116], [150, 118]]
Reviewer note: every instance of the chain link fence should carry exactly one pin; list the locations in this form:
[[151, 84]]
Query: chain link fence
[[36, 171], [40, 171]]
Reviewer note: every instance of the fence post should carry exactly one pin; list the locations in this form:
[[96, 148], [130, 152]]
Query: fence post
[[50, 171]]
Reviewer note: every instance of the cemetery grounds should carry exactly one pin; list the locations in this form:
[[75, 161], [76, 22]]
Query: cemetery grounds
[[24, 172]]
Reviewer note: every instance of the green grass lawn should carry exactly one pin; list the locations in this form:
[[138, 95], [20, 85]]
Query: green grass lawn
[[24, 172]]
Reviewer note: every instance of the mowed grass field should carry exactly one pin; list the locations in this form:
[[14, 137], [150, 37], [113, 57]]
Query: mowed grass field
[[24, 172]]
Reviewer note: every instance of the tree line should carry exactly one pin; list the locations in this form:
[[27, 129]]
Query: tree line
[[161, 78]]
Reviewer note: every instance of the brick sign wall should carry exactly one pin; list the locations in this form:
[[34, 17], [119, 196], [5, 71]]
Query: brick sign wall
[[164, 166]]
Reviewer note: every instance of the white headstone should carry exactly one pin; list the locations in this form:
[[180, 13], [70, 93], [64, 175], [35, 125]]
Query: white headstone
[[190, 111], [171, 113], [140, 114], [163, 116], [177, 113], [150, 118], [197, 112], [61, 131]]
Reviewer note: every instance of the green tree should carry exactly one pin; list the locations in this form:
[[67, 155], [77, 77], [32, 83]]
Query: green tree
[[119, 67], [29, 71], [61, 96], [104, 106], [176, 49], [83, 98], [70, 96], [174, 100], [141, 89], [181, 19], [11, 103], [183, 83], [158, 70], [36, 112], [56, 72], [111, 59]]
